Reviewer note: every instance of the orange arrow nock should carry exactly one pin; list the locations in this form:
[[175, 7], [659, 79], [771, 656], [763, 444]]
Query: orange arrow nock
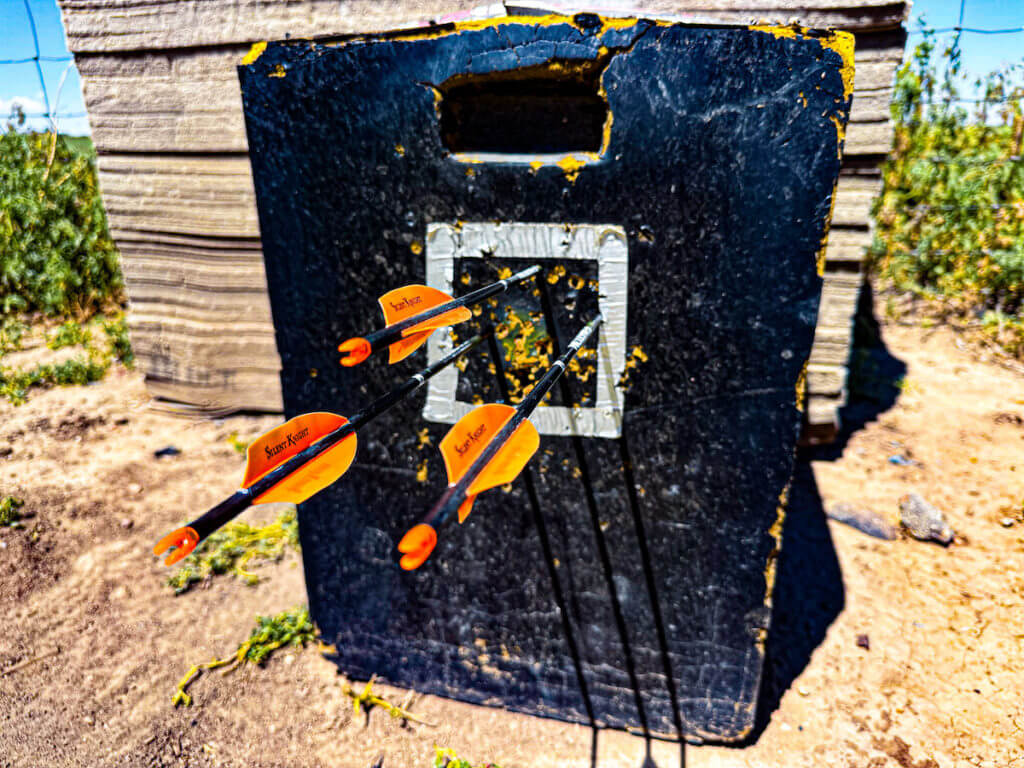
[[416, 546], [184, 539], [356, 350]]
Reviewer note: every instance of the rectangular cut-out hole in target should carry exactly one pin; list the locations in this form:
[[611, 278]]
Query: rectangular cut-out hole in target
[[602, 244]]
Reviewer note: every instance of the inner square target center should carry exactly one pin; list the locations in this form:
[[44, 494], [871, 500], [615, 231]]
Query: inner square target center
[[604, 244]]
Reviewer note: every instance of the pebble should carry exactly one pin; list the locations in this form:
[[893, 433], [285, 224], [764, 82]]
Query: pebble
[[864, 520], [923, 521], [127, 523], [1007, 522], [134, 488]]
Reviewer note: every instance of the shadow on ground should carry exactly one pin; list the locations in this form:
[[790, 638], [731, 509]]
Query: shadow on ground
[[809, 592]]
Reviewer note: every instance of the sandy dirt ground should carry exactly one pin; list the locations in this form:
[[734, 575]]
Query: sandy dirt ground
[[93, 641]]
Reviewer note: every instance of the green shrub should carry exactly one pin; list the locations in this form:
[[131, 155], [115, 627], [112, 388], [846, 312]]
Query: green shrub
[[950, 221], [56, 255]]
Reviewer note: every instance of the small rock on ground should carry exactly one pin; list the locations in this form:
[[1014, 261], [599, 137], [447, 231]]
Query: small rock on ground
[[923, 521]]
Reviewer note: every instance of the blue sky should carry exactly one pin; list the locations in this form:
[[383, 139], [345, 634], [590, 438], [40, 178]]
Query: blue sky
[[20, 82]]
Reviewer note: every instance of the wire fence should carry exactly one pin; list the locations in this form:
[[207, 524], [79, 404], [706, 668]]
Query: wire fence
[[51, 112]]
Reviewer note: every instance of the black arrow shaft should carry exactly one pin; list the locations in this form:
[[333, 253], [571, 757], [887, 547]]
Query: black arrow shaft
[[243, 498], [456, 494], [385, 337]]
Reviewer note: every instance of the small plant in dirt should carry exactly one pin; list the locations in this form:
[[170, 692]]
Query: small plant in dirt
[[292, 628], [231, 548], [12, 331], [10, 514], [15, 384], [446, 758], [116, 329], [69, 334], [288, 628], [241, 446]]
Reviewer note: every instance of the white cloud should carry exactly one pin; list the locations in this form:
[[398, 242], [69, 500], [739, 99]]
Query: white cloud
[[30, 105]]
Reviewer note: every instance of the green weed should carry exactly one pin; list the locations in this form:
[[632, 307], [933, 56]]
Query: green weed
[[12, 331], [231, 548], [116, 330], [9, 514], [292, 627], [446, 758], [15, 384], [69, 334], [241, 446]]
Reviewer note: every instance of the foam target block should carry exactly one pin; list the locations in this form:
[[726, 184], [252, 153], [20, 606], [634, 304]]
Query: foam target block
[[677, 178]]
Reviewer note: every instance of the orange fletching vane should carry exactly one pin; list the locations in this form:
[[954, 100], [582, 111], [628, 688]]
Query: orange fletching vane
[[465, 508], [403, 348], [409, 300], [467, 439], [281, 443]]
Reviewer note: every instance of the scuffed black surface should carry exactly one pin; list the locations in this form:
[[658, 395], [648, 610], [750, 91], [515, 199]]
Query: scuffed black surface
[[713, 154]]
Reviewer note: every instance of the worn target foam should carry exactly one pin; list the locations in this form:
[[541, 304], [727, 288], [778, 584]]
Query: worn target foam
[[707, 159]]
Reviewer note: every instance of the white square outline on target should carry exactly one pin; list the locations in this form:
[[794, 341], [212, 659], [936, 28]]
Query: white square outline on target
[[604, 243]]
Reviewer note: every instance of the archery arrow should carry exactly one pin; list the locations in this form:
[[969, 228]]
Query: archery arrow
[[297, 459], [413, 312], [487, 447]]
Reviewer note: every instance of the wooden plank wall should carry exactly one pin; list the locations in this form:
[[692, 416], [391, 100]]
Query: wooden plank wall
[[165, 109]]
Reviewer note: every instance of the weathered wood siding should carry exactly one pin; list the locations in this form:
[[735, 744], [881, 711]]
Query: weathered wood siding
[[165, 110]]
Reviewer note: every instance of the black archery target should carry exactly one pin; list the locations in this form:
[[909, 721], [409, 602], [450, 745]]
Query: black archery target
[[695, 220]]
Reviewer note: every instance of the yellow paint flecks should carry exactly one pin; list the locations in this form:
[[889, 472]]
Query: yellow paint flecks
[[399, 150], [278, 71], [778, 31], [421, 472], [571, 165], [840, 42], [775, 531], [801, 388], [843, 43], [416, 247], [820, 262], [255, 52], [423, 437]]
